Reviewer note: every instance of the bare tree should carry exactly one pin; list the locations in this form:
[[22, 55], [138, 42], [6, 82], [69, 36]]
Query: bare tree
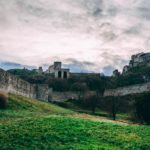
[[92, 101]]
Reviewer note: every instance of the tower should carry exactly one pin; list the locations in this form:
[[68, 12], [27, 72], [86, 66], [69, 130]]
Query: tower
[[57, 65]]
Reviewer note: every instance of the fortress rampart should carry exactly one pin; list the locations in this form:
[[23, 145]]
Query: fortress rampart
[[134, 89], [12, 84]]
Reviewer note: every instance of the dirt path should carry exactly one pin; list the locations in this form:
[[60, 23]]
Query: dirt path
[[101, 119]]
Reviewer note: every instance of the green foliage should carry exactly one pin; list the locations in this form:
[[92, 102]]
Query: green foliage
[[29, 75], [59, 85], [23, 72], [142, 106], [19, 106], [91, 101], [92, 81], [62, 133], [136, 75], [3, 101], [79, 87]]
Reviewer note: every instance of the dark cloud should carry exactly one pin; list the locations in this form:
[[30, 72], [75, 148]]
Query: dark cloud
[[134, 30], [79, 66], [75, 61], [113, 60]]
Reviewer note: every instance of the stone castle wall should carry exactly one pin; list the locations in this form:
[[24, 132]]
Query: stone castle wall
[[63, 96], [122, 91], [12, 84]]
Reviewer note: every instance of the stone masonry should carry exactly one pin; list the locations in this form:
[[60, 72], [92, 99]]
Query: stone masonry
[[122, 91], [12, 84]]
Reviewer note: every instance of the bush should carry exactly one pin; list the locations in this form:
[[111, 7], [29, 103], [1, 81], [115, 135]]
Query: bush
[[3, 101], [61, 104], [142, 107]]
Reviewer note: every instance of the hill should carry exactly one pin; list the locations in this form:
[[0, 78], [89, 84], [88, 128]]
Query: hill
[[30, 124], [20, 107]]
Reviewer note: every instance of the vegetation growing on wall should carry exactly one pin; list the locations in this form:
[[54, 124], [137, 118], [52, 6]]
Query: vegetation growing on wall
[[92, 81], [136, 75]]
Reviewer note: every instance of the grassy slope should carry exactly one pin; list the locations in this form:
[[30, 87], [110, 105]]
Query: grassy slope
[[29, 124], [19, 107]]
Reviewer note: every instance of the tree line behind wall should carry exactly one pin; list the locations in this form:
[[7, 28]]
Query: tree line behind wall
[[75, 83], [136, 75]]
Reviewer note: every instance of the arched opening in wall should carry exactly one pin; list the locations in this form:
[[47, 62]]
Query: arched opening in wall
[[65, 75], [59, 74]]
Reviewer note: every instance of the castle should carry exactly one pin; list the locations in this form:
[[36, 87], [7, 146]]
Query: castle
[[140, 59], [57, 70]]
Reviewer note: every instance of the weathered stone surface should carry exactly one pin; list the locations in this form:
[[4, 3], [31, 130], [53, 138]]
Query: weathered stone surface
[[139, 88], [12, 84], [140, 59], [62, 96], [58, 71]]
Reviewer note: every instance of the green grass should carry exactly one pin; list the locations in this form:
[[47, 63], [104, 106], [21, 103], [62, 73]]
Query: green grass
[[20, 107], [98, 112], [32, 125]]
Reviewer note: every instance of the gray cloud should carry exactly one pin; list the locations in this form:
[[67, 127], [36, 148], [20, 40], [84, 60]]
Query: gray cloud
[[79, 66], [12, 65], [94, 33]]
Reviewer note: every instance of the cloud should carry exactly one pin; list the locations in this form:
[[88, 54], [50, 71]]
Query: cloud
[[99, 32], [108, 70], [79, 66], [12, 65]]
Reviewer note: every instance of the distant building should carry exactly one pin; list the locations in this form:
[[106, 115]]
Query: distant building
[[125, 69], [58, 71], [102, 74], [40, 70], [140, 59]]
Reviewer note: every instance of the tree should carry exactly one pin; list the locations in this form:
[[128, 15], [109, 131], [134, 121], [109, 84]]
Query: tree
[[142, 107], [97, 84], [3, 101], [59, 85], [80, 88], [114, 105], [92, 101], [114, 108]]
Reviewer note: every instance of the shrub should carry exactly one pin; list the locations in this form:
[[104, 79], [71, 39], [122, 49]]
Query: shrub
[[3, 101], [61, 104], [142, 107]]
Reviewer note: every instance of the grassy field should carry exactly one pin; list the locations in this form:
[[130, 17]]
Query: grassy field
[[30, 124], [21, 107]]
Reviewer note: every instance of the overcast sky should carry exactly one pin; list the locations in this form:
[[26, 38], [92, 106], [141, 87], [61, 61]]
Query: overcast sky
[[96, 35]]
